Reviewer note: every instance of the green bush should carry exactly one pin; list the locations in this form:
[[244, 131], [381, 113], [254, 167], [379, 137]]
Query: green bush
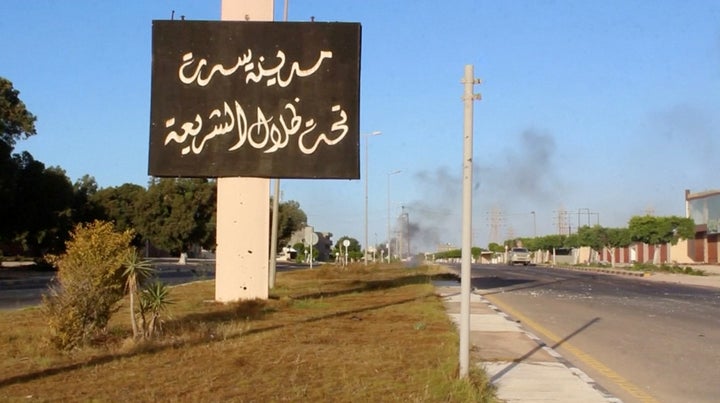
[[90, 284], [665, 268], [154, 300]]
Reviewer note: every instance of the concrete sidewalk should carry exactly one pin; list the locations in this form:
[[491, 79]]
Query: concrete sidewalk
[[522, 367], [517, 362]]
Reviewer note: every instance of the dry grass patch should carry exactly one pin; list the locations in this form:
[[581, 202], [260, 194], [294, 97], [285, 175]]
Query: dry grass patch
[[361, 334]]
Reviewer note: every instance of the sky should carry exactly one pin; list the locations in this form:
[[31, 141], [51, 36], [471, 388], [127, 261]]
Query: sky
[[602, 110]]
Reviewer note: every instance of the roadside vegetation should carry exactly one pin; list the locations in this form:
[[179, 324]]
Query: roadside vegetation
[[649, 268], [666, 268], [359, 334]]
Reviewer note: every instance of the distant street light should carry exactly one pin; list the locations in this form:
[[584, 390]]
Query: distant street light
[[388, 211], [367, 140], [534, 226]]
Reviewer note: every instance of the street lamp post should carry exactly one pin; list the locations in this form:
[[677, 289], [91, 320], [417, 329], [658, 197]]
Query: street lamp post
[[388, 211], [534, 226], [367, 140]]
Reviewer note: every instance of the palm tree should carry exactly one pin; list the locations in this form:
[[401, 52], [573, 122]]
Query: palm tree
[[137, 271]]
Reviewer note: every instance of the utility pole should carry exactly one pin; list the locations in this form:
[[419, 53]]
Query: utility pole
[[562, 224], [274, 236], [468, 97], [367, 140], [401, 237], [407, 232], [403, 234], [389, 235], [495, 224], [272, 265], [534, 226]]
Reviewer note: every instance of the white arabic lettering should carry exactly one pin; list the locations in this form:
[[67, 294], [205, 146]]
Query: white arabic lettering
[[322, 137], [218, 129], [188, 129], [218, 68], [272, 75], [267, 133]]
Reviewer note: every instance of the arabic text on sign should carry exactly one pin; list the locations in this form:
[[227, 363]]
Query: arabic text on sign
[[255, 71], [263, 131]]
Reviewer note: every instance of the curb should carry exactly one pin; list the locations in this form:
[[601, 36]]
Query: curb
[[521, 380], [601, 270], [577, 372]]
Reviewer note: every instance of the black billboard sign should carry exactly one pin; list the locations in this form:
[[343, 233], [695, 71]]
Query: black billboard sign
[[255, 99]]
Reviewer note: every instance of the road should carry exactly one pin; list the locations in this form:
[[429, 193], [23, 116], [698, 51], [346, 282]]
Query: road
[[25, 288], [28, 291], [641, 340]]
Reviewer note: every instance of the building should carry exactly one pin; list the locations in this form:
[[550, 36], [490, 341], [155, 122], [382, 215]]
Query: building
[[704, 248], [323, 246], [704, 209]]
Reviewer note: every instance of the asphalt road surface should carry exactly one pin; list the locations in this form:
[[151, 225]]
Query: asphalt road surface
[[21, 294], [641, 340], [24, 288]]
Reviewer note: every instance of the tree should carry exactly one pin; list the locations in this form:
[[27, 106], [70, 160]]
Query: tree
[[600, 238], [616, 238], [660, 230], [40, 205], [496, 247], [8, 183], [176, 213], [37, 208], [120, 205], [592, 237], [354, 250], [16, 122], [451, 254], [136, 272], [290, 219], [571, 241], [84, 210], [300, 250], [476, 252], [550, 243]]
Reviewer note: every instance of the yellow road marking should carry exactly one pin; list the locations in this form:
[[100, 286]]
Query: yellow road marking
[[581, 355]]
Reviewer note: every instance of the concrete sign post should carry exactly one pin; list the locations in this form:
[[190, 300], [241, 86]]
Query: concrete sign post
[[241, 264]]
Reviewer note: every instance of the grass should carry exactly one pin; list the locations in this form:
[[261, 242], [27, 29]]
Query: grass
[[361, 334], [665, 268], [649, 267]]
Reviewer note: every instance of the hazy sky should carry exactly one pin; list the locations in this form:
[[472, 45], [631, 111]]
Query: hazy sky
[[607, 107]]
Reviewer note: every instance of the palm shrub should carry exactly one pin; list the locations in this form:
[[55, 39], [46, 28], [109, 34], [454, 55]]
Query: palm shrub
[[136, 272], [90, 284], [154, 300]]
